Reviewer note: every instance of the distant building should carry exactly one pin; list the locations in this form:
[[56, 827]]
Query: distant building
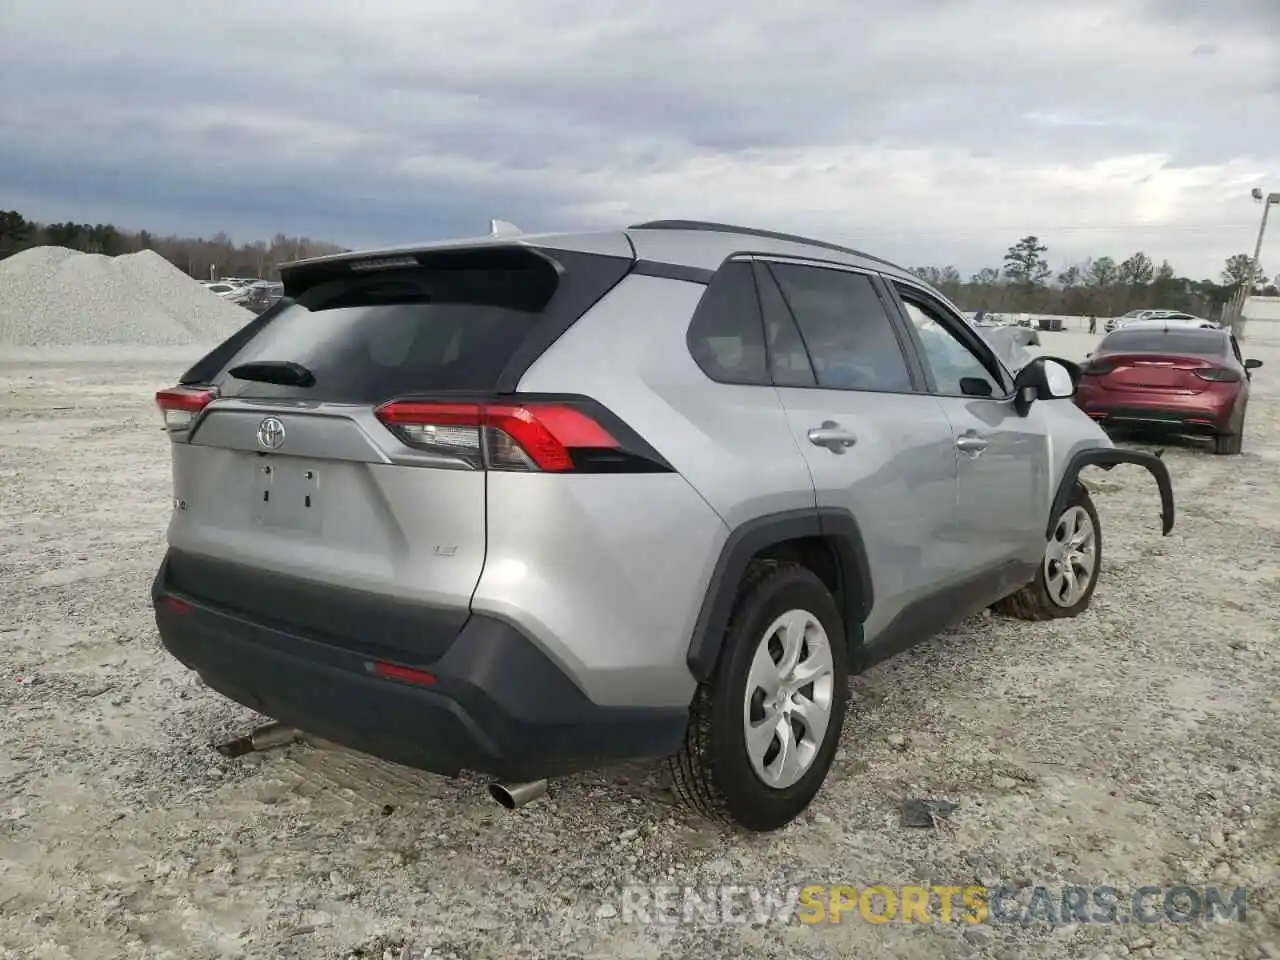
[[1262, 319]]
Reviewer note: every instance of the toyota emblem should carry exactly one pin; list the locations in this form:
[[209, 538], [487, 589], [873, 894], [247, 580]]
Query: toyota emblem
[[271, 433]]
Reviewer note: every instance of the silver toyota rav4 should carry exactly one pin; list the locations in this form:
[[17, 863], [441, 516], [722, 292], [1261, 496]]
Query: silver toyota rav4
[[531, 505]]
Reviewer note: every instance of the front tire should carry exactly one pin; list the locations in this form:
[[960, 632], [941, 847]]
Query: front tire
[[764, 728], [1068, 572]]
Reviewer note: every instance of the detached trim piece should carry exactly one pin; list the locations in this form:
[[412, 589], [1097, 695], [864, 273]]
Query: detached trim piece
[[1106, 458]]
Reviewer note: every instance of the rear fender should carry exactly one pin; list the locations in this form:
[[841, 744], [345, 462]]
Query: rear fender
[[1107, 458], [854, 597]]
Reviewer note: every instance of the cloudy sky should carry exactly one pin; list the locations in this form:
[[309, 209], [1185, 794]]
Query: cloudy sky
[[929, 131]]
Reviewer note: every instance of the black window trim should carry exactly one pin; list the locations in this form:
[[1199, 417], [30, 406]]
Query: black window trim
[[1235, 352], [915, 372], [762, 274], [956, 324]]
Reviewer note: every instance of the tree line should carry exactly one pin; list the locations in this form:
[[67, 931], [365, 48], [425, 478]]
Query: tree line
[[199, 257], [1023, 283], [1103, 286]]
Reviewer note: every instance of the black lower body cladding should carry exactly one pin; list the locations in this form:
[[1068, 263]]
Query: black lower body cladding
[[1107, 458], [495, 705]]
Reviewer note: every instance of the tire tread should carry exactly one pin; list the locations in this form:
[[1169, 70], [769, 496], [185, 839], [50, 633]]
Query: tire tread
[[1032, 602], [692, 768]]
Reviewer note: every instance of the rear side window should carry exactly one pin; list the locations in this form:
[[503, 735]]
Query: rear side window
[[1193, 342], [845, 327], [726, 335], [456, 322]]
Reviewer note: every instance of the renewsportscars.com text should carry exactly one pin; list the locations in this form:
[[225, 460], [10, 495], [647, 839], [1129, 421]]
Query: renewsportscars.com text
[[819, 904]]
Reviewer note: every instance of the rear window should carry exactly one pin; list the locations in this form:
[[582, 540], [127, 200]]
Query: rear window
[[456, 322], [1200, 343]]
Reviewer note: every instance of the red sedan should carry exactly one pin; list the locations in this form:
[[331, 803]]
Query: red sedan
[[1174, 379]]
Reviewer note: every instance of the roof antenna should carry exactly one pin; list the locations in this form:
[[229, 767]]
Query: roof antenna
[[503, 228]]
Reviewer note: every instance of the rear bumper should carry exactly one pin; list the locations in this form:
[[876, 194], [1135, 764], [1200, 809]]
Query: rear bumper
[[497, 705], [1208, 415]]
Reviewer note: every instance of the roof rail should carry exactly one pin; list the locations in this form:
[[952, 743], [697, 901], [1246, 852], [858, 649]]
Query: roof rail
[[711, 227]]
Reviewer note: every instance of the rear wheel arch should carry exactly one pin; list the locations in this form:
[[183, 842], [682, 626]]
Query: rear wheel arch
[[827, 541]]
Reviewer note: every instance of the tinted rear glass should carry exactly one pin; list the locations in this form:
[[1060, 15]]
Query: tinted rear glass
[[454, 324], [1191, 342]]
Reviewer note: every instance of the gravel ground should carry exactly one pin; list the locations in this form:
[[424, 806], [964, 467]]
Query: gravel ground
[[1137, 745]]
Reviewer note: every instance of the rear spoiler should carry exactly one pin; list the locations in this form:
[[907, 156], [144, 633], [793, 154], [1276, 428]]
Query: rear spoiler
[[302, 275]]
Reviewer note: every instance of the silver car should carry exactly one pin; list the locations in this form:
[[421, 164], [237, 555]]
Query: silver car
[[528, 505]]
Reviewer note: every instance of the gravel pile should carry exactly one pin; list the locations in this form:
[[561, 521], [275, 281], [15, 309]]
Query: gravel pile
[[51, 296]]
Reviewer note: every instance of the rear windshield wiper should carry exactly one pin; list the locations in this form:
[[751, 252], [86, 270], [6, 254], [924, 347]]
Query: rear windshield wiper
[[284, 373]]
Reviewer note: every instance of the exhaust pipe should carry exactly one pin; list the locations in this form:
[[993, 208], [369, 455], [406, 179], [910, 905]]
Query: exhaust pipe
[[512, 796], [272, 735], [260, 738]]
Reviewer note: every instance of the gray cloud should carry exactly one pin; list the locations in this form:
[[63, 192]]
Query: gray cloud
[[940, 131]]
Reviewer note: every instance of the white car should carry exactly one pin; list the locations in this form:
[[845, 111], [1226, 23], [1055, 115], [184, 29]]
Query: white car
[[227, 291], [1148, 316], [1172, 320]]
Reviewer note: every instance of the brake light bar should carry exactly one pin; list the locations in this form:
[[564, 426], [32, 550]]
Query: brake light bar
[[499, 436], [383, 263], [180, 405]]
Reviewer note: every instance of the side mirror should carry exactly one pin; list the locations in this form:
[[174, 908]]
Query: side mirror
[[1044, 378], [1252, 364]]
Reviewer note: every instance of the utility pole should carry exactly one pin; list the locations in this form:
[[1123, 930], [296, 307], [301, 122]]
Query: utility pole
[[1262, 232], [1255, 265]]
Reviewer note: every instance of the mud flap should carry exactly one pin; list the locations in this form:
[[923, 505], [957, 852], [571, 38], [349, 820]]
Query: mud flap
[[1106, 458]]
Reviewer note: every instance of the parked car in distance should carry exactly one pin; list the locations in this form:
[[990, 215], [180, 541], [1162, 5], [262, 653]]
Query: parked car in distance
[[1115, 323], [532, 505], [1173, 320], [262, 294], [227, 291], [1137, 316], [1176, 378]]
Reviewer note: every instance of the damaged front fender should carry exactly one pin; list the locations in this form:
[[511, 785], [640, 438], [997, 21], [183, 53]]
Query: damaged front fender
[[1106, 458]]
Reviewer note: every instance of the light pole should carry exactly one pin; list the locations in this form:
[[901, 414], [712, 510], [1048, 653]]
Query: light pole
[[1267, 201], [1246, 289]]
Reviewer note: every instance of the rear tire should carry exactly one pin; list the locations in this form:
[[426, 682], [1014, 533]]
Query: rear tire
[[1068, 573], [1228, 444], [717, 772]]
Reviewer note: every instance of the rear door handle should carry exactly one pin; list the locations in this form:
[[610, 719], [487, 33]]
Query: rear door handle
[[972, 443], [832, 436]]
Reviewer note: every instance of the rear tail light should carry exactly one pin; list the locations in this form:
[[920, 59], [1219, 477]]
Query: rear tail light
[[1218, 375], [181, 405], [551, 437], [1096, 368]]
